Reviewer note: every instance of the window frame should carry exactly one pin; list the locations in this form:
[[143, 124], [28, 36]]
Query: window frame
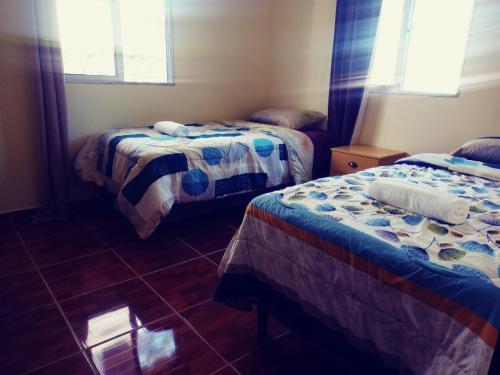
[[397, 87], [118, 78]]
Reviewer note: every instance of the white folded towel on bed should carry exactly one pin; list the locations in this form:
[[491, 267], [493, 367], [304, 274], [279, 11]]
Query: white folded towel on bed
[[172, 128], [421, 200]]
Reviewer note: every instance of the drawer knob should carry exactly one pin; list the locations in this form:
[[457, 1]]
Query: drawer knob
[[352, 164]]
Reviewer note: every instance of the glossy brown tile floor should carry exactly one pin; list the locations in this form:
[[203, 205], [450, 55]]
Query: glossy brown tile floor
[[87, 296]]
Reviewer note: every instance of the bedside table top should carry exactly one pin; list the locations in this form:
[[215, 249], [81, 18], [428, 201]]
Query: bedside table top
[[369, 151]]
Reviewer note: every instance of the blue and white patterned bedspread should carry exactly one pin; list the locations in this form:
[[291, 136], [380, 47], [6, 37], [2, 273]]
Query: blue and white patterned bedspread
[[150, 171], [471, 249]]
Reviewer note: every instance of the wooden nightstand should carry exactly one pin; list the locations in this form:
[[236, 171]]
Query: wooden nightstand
[[355, 158]]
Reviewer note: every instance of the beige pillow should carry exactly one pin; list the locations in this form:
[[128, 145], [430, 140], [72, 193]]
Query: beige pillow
[[289, 118]]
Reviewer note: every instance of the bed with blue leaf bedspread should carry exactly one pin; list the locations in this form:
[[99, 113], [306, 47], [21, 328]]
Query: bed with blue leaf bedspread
[[150, 171], [417, 289]]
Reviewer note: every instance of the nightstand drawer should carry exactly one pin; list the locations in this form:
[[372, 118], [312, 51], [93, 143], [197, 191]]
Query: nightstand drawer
[[348, 163]]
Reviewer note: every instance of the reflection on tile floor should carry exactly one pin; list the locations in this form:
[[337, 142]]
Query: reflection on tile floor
[[88, 296]]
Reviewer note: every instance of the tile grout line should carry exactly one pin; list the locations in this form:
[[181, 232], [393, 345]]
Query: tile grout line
[[72, 231], [26, 252], [58, 306], [49, 363], [216, 251], [97, 290], [25, 311], [200, 253], [18, 273], [72, 259], [171, 266], [219, 369], [262, 346], [184, 320], [195, 305]]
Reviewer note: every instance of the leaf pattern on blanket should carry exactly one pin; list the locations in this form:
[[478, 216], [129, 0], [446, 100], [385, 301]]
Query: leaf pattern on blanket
[[471, 249], [325, 207], [378, 222], [342, 197], [386, 235], [318, 195], [412, 219], [491, 219], [476, 210], [477, 247], [416, 252], [491, 205], [451, 254], [438, 229]]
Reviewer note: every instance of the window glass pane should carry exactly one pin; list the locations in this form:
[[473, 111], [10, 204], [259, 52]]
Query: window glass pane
[[387, 45], [87, 39], [143, 40], [437, 43]]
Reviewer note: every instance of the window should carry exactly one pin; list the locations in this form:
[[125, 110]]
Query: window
[[116, 40], [420, 46]]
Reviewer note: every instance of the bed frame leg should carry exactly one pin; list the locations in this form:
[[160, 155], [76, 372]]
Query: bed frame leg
[[262, 320], [495, 361]]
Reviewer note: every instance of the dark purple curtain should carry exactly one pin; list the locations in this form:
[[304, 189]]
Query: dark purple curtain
[[52, 113], [355, 28]]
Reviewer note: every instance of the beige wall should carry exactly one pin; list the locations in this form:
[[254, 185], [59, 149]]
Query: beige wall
[[301, 51], [437, 124], [20, 174]]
